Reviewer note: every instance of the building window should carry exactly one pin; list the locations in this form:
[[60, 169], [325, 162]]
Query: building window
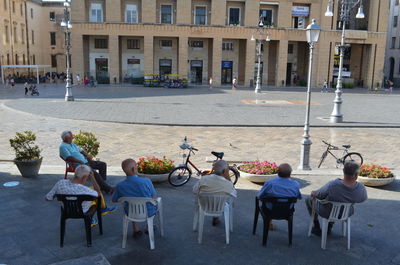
[[266, 15], [399, 43], [131, 14], [7, 34], [396, 2], [33, 37], [166, 14], [200, 17], [100, 43], [196, 44], [53, 60], [32, 13], [34, 59], [290, 49], [8, 58], [15, 35], [234, 16], [23, 58], [16, 59], [96, 12], [22, 12], [166, 43], [395, 19], [5, 4], [133, 44], [13, 6], [52, 16], [52, 38], [227, 46], [393, 42], [22, 35]]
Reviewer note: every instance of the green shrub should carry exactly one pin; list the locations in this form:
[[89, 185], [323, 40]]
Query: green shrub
[[88, 142], [24, 146], [302, 82], [348, 85]]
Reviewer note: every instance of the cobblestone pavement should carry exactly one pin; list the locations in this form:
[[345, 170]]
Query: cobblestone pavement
[[201, 106], [30, 228]]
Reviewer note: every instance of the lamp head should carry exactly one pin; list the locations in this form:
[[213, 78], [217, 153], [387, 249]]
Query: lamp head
[[360, 13], [313, 31], [252, 38], [329, 12]]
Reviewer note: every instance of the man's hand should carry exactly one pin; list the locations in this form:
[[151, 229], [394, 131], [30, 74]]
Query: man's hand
[[89, 157], [313, 194]]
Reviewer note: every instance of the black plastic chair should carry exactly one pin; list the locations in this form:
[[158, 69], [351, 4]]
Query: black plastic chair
[[71, 208], [281, 210]]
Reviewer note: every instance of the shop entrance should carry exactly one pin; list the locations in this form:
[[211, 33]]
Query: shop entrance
[[196, 70], [226, 72], [102, 70], [165, 66]]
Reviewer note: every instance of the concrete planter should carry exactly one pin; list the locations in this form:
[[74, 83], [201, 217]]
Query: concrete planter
[[256, 178], [375, 182], [29, 168], [156, 178]]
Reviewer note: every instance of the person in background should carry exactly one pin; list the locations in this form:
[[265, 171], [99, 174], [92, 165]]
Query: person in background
[[26, 86]]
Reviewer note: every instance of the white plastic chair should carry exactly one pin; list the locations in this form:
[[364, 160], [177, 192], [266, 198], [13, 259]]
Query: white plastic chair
[[340, 212], [213, 205], [137, 212]]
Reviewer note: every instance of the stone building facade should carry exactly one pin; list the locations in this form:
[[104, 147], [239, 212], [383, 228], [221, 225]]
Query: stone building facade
[[119, 39], [392, 58], [30, 34]]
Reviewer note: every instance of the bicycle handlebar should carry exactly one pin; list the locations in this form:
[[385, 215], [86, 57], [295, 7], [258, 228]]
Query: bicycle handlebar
[[329, 145]]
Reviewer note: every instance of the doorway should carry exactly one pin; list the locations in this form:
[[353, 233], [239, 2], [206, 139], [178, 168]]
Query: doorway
[[226, 72], [196, 70], [102, 70], [391, 69], [289, 74], [165, 66]]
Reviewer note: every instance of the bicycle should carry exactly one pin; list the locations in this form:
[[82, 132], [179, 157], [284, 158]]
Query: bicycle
[[182, 173], [346, 156]]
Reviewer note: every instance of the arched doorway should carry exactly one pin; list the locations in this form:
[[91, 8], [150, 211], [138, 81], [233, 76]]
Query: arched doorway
[[391, 68]]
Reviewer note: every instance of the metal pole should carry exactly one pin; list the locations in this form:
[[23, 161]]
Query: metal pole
[[37, 75], [68, 92], [258, 85], [2, 75], [306, 142]]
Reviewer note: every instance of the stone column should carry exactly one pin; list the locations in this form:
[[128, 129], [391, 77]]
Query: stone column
[[148, 54], [113, 11], [114, 58], [183, 56], [250, 59], [285, 14], [218, 12], [251, 8], [79, 12], [281, 65], [77, 56], [149, 11], [216, 61], [184, 12]]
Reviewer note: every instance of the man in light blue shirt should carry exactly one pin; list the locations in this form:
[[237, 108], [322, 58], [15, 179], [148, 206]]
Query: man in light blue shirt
[[281, 186], [135, 186]]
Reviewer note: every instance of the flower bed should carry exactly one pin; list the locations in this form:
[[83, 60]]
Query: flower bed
[[375, 175], [258, 171], [157, 170]]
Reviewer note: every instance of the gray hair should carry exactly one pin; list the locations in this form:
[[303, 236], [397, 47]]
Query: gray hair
[[284, 170], [64, 134], [351, 169], [81, 171], [219, 167]]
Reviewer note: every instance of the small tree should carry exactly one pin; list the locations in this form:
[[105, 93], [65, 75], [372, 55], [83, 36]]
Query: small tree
[[24, 146], [88, 142]]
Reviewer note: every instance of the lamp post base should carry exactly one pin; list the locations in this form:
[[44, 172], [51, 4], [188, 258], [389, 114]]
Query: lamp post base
[[336, 119], [305, 155], [69, 98]]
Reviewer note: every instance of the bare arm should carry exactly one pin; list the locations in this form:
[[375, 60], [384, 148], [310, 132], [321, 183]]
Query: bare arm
[[74, 160], [88, 156], [95, 184]]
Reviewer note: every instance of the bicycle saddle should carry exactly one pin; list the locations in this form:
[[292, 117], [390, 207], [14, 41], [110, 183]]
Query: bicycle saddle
[[346, 146], [219, 155]]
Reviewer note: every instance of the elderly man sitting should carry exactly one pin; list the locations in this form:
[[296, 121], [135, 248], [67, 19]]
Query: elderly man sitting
[[135, 186], [73, 154], [346, 190], [218, 182], [76, 187]]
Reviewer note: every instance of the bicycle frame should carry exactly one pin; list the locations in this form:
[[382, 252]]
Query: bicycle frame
[[190, 162], [338, 160]]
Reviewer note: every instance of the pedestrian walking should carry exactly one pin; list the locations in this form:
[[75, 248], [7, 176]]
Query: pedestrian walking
[[12, 82], [325, 87], [234, 83], [26, 85], [390, 85], [78, 80], [210, 82]]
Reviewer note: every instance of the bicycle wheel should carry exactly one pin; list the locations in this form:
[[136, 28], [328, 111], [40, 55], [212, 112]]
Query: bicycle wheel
[[179, 176], [324, 154], [234, 174], [355, 157]]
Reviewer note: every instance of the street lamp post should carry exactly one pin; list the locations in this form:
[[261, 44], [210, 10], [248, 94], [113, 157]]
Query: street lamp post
[[260, 31], [313, 31], [66, 23], [346, 7]]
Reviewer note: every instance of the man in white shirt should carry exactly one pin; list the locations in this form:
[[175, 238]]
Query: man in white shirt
[[218, 183]]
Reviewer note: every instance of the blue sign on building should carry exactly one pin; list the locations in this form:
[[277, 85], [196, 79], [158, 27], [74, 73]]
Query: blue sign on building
[[227, 64]]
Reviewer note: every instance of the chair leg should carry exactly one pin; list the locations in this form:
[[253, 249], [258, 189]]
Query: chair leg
[[201, 225], [227, 224], [348, 233], [256, 213], [231, 217], [310, 226], [150, 228], [290, 228], [324, 233], [265, 233], [196, 218], [88, 229], [344, 228], [125, 223], [160, 217], [62, 231], [99, 218]]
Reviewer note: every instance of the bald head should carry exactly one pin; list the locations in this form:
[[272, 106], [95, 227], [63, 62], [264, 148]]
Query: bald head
[[129, 166], [284, 170], [219, 167]]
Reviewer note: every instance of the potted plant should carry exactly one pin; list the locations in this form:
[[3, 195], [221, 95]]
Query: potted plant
[[157, 170], [88, 142], [375, 175], [258, 171], [27, 154]]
